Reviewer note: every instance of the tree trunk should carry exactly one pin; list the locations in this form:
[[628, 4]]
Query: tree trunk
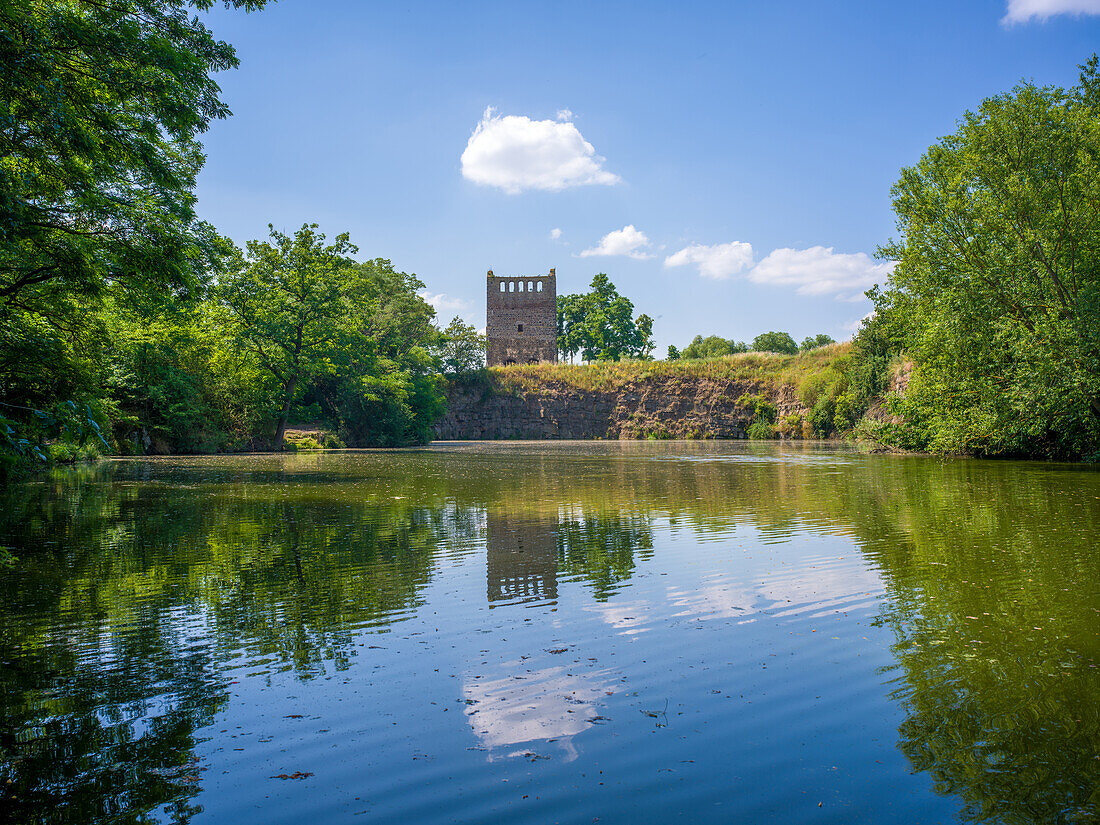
[[280, 429]]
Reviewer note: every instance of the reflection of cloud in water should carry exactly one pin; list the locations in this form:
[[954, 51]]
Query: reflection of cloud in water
[[820, 584], [627, 617], [714, 601], [529, 707]]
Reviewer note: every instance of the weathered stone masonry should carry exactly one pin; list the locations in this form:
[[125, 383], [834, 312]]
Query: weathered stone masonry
[[663, 408], [521, 319]]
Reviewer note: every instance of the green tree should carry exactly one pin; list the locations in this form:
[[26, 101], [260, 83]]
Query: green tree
[[673, 353], [101, 105], [997, 283], [780, 342], [815, 341], [292, 302], [643, 337], [713, 346], [571, 329], [461, 348], [599, 325], [385, 388]]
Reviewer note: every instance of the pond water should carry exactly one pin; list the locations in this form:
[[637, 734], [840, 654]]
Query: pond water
[[552, 632]]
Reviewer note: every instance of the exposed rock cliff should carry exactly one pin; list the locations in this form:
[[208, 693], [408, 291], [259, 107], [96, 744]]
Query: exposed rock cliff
[[660, 406]]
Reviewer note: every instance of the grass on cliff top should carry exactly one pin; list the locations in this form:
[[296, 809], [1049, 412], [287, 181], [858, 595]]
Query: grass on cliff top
[[767, 367]]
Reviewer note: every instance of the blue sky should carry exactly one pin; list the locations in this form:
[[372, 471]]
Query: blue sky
[[728, 165]]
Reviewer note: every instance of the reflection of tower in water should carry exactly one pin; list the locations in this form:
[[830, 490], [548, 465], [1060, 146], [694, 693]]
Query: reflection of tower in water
[[522, 559]]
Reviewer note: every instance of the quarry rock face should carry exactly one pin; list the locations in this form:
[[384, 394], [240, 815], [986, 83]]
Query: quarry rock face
[[657, 408]]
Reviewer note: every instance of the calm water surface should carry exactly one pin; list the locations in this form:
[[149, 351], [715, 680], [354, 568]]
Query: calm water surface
[[537, 633]]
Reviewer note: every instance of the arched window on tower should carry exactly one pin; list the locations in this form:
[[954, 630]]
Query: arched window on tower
[[539, 287], [503, 286]]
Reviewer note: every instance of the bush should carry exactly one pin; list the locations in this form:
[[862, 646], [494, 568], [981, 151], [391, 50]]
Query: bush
[[849, 410], [761, 430], [828, 383], [65, 452], [791, 426], [821, 416], [313, 441], [762, 409]]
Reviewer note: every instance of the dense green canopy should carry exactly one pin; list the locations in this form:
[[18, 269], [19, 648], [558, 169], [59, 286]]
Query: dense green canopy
[[599, 326], [781, 342], [461, 348], [101, 104], [713, 346], [120, 307], [996, 293]]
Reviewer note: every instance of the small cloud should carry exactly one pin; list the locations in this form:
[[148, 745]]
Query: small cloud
[[564, 114], [719, 261], [627, 241], [821, 271], [555, 233], [515, 153], [1023, 11], [854, 326], [444, 304]]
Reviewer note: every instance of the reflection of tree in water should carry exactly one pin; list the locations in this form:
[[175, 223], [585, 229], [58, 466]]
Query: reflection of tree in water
[[526, 554], [996, 607], [1013, 749], [599, 547], [84, 740], [127, 601], [297, 582], [976, 555], [97, 725], [131, 595]]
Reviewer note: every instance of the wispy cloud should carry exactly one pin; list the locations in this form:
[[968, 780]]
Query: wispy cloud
[[1023, 11], [515, 153], [555, 233]]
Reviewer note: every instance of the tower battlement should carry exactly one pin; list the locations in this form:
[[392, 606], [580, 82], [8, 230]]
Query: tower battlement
[[521, 319]]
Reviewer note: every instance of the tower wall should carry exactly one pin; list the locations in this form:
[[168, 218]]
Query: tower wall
[[521, 319]]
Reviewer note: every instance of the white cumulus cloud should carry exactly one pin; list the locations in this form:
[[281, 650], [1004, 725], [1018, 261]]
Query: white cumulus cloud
[[821, 271], [1022, 11], [514, 153], [718, 261], [555, 233], [627, 241], [445, 304]]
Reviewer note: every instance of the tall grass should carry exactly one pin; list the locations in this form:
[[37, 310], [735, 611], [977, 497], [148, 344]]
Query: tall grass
[[768, 368]]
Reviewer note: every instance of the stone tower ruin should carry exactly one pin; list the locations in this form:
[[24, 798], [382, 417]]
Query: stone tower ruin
[[521, 319]]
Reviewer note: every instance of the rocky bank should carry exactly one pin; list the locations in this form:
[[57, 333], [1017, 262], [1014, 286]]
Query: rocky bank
[[663, 406]]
